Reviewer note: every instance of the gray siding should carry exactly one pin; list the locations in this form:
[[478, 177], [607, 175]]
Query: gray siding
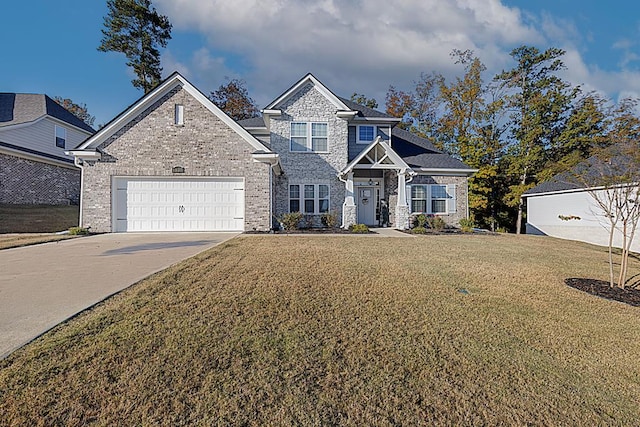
[[151, 145], [40, 136], [355, 148]]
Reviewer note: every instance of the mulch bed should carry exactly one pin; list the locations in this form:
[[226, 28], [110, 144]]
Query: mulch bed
[[601, 289], [309, 231]]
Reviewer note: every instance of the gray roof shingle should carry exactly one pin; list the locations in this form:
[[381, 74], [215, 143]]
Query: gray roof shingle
[[16, 108], [364, 111]]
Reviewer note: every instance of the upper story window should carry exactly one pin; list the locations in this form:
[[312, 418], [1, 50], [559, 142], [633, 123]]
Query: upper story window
[[179, 115], [366, 134], [309, 137], [61, 137]]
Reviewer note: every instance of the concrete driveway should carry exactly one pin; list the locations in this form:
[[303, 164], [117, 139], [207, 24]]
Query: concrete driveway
[[42, 285]]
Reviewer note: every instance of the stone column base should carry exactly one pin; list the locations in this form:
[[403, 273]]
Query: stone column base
[[349, 215], [402, 217]]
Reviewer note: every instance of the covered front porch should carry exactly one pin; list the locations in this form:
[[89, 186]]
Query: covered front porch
[[376, 180]]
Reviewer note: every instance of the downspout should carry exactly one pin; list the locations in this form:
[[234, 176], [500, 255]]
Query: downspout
[[78, 162]]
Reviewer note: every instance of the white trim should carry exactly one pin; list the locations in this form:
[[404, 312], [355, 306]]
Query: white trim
[[398, 163], [316, 197], [347, 115], [35, 158], [377, 119], [309, 137], [363, 142], [148, 100], [446, 171], [309, 78], [178, 118], [85, 154]]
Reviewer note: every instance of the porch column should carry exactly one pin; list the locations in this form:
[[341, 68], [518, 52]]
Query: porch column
[[402, 209], [349, 216]]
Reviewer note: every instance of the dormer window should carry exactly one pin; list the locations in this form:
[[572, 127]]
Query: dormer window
[[61, 137], [366, 134], [179, 115]]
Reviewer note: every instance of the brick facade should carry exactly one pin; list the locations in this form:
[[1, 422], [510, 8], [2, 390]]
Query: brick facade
[[309, 105], [151, 145], [24, 181]]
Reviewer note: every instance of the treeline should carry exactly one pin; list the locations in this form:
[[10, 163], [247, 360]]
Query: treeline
[[520, 128]]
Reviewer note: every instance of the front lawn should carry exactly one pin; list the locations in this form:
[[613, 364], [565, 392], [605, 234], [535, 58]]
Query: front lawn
[[37, 218], [353, 330], [8, 241]]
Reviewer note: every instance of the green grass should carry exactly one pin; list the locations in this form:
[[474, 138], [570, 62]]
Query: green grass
[[8, 241], [37, 218], [354, 330]]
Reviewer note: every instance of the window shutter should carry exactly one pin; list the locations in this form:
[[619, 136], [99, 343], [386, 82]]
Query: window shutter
[[451, 192], [407, 193]]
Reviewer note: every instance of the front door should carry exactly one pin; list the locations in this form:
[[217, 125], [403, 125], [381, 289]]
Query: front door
[[367, 205]]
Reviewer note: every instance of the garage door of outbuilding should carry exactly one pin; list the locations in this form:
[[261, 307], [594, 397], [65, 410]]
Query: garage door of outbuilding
[[177, 204]]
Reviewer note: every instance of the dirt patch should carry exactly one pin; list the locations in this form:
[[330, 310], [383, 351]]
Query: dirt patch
[[601, 289]]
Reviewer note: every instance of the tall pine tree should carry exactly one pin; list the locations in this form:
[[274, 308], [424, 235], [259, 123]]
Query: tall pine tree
[[135, 28]]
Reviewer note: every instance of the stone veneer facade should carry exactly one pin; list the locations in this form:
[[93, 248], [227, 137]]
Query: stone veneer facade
[[24, 181], [151, 145], [309, 105]]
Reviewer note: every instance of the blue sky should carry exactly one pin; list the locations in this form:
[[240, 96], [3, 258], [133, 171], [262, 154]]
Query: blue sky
[[356, 46]]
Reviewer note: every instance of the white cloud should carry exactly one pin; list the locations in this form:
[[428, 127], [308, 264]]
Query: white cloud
[[364, 45]]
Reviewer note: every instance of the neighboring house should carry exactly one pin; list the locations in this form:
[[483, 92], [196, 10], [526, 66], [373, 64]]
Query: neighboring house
[[562, 208], [35, 132], [173, 161]]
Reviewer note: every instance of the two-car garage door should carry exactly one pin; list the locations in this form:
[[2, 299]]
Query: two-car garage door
[[178, 204]]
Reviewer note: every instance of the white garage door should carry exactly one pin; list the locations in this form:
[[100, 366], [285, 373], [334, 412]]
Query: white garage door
[[178, 204]]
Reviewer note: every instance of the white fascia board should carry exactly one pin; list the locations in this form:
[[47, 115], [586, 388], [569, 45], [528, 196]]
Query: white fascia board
[[145, 102], [349, 115], [385, 120], [399, 163], [271, 158], [84, 154], [318, 86], [36, 158], [447, 171], [271, 112]]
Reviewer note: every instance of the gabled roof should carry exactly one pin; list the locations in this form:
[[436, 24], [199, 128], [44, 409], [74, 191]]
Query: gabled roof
[[19, 108], [420, 153], [377, 155], [309, 78], [171, 82], [364, 111]]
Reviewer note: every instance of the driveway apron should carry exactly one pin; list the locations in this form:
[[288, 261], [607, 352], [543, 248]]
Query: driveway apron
[[43, 285]]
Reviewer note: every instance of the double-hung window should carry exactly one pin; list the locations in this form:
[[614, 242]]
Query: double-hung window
[[432, 199], [309, 198], [309, 137], [366, 134], [61, 137], [439, 199]]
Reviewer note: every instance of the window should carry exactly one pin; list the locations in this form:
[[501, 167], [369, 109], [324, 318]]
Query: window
[[309, 137], [419, 198], [179, 115], [432, 199], [309, 198], [439, 199], [61, 137], [366, 134]]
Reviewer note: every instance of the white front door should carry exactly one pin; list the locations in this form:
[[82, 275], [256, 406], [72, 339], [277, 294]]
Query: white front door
[[367, 205], [178, 204]]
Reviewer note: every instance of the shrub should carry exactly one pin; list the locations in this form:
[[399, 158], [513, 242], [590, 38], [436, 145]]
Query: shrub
[[359, 228], [329, 219], [291, 221], [420, 221], [418, 230], [78, 231], [467, 225], [436, 223]]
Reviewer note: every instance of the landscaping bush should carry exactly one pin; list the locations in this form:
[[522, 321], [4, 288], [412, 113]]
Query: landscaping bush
[[329, 219], [418, 230], [291, 221], [78, 231], [359, 228], [420, 221], [466, 225], [436, 223]]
